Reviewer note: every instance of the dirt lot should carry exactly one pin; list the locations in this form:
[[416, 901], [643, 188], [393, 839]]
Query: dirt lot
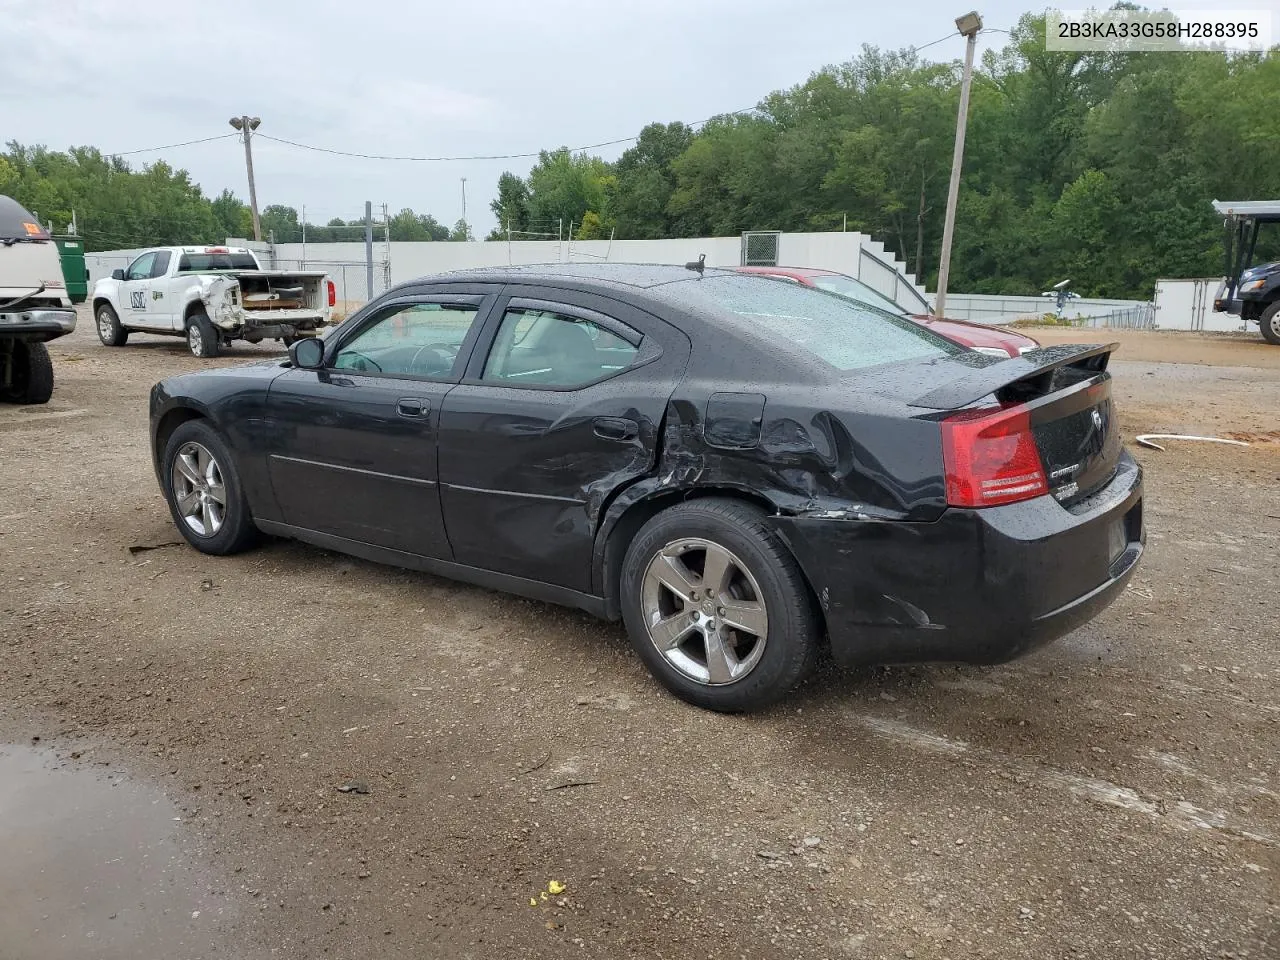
[[1116, 795]]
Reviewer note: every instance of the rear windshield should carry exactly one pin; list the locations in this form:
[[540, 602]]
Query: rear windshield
[[204, 262], [845, 333], [856, 289]]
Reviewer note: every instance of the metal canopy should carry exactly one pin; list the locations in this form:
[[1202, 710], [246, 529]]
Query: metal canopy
[[1262, 209]]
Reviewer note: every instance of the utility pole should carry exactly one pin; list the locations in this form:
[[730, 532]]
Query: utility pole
[[968, 25], [465, 231], [368, 246], [246, 126], [304, 237]]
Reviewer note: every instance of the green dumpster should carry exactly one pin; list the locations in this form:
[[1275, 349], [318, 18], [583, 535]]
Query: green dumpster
[[74, 272]]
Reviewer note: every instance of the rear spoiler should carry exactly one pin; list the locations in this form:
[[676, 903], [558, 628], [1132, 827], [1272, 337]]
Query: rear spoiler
[[1033, 365]]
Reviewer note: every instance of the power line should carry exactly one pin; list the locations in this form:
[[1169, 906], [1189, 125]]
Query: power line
[[925, 46], [170, 146], [498, 156]]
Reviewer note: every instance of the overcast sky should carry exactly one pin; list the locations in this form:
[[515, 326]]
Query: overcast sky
[[422, 79]]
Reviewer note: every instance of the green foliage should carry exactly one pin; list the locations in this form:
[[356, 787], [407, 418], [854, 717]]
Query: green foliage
[[1095, 166]]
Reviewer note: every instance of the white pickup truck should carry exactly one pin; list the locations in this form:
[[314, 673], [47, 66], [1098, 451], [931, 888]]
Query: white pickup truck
[[210, 295]]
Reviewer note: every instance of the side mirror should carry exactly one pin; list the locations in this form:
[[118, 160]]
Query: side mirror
[[117, 274], [307, 354]]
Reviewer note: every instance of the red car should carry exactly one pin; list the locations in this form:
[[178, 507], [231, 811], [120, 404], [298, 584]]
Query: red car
[[996, 341]]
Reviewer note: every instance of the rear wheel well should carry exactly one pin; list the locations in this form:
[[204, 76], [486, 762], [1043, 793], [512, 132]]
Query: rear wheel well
[[638, 514], [192, 308], [169, 423]]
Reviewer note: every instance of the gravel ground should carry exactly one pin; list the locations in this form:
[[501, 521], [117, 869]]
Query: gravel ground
[[1115, 795]]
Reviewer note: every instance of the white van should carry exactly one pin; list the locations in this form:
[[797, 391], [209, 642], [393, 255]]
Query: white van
[[34, 306]]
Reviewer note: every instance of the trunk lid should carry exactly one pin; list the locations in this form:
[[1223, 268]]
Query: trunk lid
[[1065, 389]]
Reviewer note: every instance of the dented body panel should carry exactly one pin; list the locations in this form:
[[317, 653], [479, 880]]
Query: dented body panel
[[538, 490]]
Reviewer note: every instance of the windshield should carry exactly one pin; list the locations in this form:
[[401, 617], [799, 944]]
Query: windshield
[[856, 289], [205, 262], [848, 334]]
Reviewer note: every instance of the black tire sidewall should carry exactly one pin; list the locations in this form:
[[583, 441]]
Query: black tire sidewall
[[1270, 316], [39, 385], [118, 333], [791, 645], [208, 336], [237, 527]]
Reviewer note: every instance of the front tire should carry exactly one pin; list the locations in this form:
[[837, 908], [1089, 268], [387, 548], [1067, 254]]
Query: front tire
[[202, 336], [1270, 324], [31, 370], [203, 490], [716, 606], [110, 332]]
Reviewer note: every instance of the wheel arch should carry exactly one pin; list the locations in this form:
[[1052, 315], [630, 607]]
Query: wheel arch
[[169, 421], [631, 511]]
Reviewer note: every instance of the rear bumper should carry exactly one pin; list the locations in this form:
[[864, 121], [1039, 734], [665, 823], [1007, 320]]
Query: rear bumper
[[39, 325], [976, 586]]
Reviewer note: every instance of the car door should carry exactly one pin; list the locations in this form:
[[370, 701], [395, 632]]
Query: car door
[[561, 406], [159, 303], [353, 451], [135, 293]]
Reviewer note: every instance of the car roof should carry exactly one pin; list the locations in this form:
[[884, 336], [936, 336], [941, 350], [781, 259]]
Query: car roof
[[637, 275]]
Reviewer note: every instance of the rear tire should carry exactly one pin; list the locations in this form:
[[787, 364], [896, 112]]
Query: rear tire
[[32, 372], [207, 468], [110, 332], [202, 337], [1270, 324], [760, 620]]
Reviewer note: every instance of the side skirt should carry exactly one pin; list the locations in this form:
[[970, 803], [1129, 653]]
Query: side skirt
[[502, 582]]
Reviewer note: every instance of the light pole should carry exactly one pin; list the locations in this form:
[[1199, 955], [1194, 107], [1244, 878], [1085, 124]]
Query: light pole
[[246, 126], [968, 25], [465, 229]]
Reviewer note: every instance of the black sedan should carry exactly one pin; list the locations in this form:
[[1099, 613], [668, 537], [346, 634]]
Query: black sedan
[[738, 469]]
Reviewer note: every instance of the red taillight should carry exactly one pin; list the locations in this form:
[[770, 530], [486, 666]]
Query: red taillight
[[991, 458], [333, 293]]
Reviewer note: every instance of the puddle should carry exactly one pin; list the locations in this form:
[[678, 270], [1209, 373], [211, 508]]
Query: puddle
[[93, 864]]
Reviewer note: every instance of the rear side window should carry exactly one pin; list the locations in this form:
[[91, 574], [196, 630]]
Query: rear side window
[[845, 333], [547, 349]]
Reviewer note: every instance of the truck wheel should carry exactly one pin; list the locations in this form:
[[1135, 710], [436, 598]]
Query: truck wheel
[[110, 332], [202, 338], [32, 374], [716, 606], [1270, 323]]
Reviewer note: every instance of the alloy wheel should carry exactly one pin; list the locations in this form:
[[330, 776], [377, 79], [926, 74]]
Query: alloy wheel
[[704, 611], [199, 490]]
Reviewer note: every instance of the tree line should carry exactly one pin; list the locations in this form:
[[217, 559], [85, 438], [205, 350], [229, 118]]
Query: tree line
[[1099, 167], [117, 207]]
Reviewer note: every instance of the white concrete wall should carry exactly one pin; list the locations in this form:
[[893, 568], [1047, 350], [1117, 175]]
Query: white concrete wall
[[854, 254]]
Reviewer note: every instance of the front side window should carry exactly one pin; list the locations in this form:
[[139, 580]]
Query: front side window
[[140, 269], [547, 349], [411, 340], [161, 264]]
